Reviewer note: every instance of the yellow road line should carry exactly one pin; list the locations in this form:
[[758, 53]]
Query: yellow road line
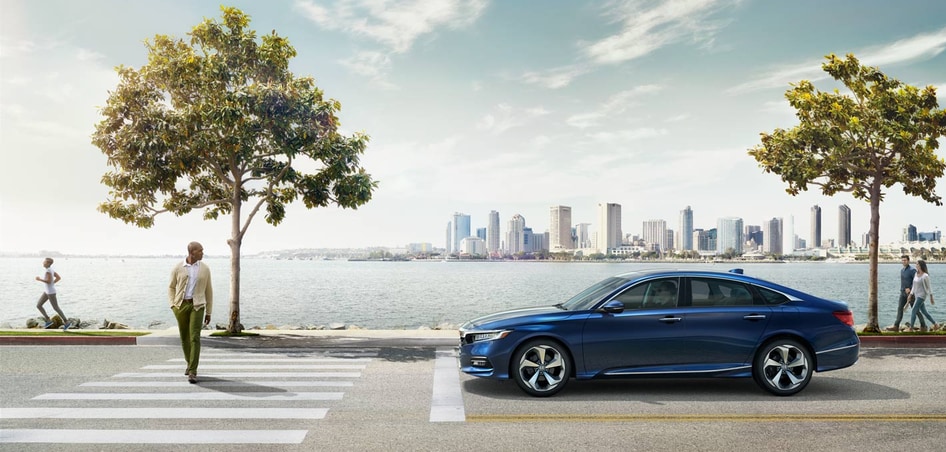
[[889, 417]]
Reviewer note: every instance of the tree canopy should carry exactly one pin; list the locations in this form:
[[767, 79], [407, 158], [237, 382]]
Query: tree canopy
[[880, 133], [219, 121]]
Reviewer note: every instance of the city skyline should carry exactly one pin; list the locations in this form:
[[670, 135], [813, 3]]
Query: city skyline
[[471, 106]]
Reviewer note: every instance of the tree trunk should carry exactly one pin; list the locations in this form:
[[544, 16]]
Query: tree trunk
[[873, 326], [236, 240]]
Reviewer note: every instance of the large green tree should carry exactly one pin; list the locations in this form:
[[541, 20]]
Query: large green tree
[[880, 133], [220, 124]]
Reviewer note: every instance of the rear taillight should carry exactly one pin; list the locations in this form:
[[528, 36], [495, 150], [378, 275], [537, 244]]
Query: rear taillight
[[846, 317]]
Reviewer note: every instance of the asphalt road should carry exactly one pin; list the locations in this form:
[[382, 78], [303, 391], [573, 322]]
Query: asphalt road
[[408, 395]]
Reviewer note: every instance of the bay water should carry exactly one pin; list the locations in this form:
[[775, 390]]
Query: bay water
[[386, 295]]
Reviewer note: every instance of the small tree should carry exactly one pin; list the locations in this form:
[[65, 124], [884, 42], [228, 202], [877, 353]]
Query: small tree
[[220, 122], [881, 133]]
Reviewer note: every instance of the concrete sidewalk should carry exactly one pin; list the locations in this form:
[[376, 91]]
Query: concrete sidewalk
[[360, 338]]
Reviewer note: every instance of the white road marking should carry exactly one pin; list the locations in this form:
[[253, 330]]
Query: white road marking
[[260, 367], [208, 384], [58, 436], [204, 359], [162, 413], [446, 405], [243, 375], [281, 396]]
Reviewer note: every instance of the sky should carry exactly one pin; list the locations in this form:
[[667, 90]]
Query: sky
[[471, 106]]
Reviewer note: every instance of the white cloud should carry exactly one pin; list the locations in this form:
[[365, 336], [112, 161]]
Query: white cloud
[[678, 118], [646, 29], [506, 117], [615, 105], [554, 78], [919, 47], [624, 136], [394, 24], [373, 65]]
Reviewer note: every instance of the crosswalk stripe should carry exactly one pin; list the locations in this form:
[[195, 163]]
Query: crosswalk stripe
[[281, 396], [260, 367], [204, 359], [162, 413], [446, 403], [74, 436], [293, 353], [207, 384], [243, 375]]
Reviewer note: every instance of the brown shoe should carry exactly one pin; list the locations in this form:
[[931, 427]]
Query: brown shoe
[[922, 329], [893, 328], [192, 378]]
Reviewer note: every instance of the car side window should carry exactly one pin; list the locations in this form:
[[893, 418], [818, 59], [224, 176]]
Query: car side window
[[714, 292], [772, 297], [633, 298], [661, 293]]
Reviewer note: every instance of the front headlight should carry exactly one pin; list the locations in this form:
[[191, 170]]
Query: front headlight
[[482, 336]]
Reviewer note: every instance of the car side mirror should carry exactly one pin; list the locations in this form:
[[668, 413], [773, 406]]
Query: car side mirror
[[612, 307]]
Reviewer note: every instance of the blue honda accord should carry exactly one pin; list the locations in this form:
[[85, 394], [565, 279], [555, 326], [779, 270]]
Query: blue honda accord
[[666, 323]]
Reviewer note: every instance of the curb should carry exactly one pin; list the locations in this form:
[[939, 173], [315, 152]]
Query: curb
[[937, 341], [69, 340]]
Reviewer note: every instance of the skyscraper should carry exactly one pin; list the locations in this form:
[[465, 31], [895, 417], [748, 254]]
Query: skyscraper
[[655, 235], [560, 228], [582, 235], [909, 233], [685, 232], [844, 226], [461, 229], [772, 236], [515, 236], [448, 245], [492, 233], [815, 227], [609, 227], [729, 235]]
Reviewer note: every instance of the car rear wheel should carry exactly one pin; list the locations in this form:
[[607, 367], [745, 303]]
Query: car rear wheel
[[783, 367], [542, 367]]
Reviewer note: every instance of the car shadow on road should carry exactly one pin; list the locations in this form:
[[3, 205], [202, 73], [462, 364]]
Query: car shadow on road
[[660, 391]]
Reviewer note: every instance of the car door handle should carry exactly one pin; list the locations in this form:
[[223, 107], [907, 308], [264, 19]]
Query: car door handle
[[671, 319], [754, 317]]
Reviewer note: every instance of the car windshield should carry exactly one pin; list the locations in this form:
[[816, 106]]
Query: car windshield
[[592, 295]]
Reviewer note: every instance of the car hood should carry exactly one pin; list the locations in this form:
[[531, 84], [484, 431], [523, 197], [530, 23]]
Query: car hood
[[512, 317]]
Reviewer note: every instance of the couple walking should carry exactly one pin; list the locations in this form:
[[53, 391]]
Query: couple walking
[[915, 288]]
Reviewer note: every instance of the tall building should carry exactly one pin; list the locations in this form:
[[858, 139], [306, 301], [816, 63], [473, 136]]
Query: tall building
[[729, 235], [560, 228], [655, 235], [481, 234], [844, 226], [448, 244], [492, 233], [461, 230], [772, 236], [909, 233], [582, 235], [515, 235], [685, 233], [815, 226], [609, 227]]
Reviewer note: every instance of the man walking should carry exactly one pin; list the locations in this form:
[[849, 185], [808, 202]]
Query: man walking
[[191, 297], [50, 278], [906, 282]]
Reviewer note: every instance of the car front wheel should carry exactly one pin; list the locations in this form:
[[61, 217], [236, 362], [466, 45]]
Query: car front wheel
[[783, 367], [542, 367]]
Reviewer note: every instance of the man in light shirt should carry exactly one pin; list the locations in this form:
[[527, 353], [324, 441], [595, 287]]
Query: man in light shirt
[[191, 297]]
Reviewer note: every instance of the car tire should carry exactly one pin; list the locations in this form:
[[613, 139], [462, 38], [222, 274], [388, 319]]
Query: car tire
[[541, 367], [783, 367]]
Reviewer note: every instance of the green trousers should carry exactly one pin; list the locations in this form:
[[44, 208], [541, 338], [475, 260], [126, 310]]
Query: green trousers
[[189, 322]]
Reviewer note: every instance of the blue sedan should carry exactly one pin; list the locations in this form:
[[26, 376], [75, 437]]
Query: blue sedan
[[665, 323]]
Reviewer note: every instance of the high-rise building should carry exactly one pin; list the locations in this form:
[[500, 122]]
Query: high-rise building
[[815, 226], [909, 233], [560, 228], [609, 234], [772, 236], [461, 229], [844, 226], [492, 233], [655, 235], [481, 234], [515, 237], [448, 245], [729, 235], [582, 235], [685, 233]]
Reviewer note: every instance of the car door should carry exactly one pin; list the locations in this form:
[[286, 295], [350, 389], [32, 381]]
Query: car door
[[724, 321], [643, 336]]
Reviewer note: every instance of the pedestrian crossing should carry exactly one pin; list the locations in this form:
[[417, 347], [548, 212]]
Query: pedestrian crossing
[[290, 386]]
